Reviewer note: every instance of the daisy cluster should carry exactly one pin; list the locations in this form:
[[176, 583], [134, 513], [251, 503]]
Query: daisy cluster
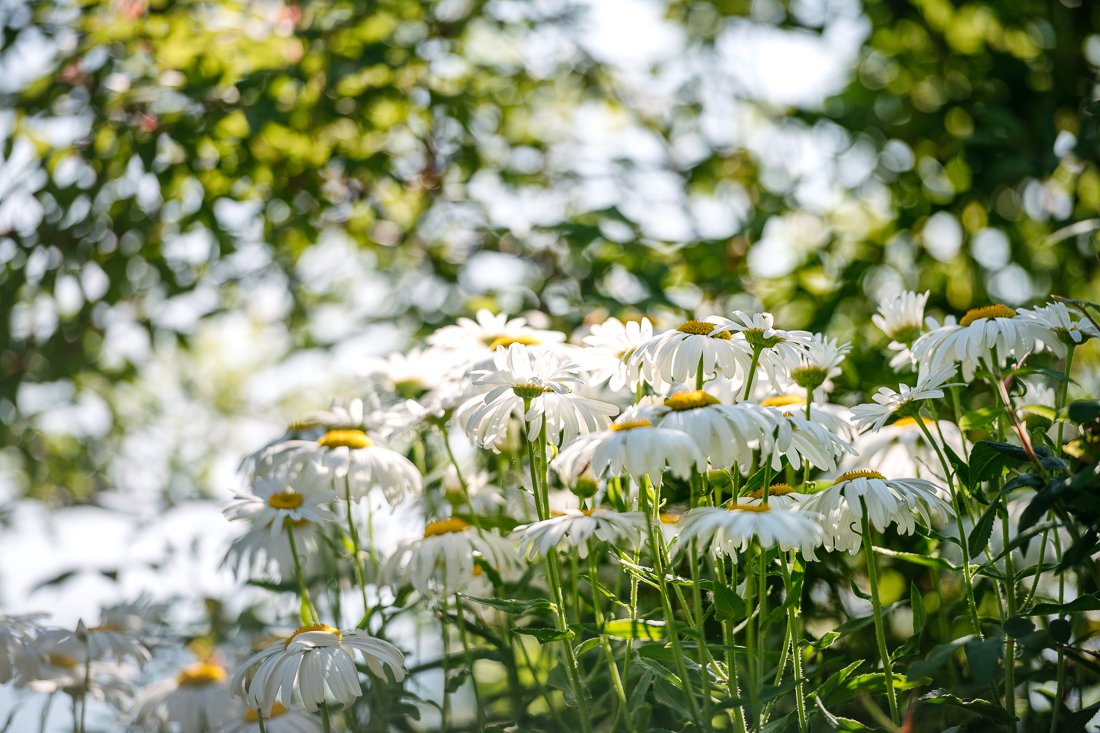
[[499, 448]]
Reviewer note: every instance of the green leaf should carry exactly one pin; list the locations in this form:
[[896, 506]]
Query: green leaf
[[728, 606], [513, 606], [1082, 411], [586, 646], [937, 657], [928, 561], [976, 706], [544, 634], [983, 656], [916, 602], [1089, 602], [983, 528], [1060, 630], [1018, 626], [856, 589], [980, 419], [624, 628], [989, 458]]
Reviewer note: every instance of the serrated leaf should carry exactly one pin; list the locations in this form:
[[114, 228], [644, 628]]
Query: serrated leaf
[[976, 706], [545, 634], [937, 657], [989, 458], [728, 606], [513, 606], [929, 561], [1089, 602], [983, 656], [983, 528]]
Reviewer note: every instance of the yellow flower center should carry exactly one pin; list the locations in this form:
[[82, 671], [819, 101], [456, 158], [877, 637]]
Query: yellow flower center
[[773, 490], [670, 518], [734, 506], [252, 715], [445, 526], [618, 427], [702, 328], [288, 499], [587, 512], [690, 400], [61, 660], [313, 627], [199, 674], [861, 473], [503, 342], [783, 400], [109, 626], [989, 311], [910, 422], [297, 426], [345, 439]]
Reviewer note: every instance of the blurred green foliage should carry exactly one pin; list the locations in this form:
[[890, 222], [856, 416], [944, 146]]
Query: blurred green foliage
[[149, 122]]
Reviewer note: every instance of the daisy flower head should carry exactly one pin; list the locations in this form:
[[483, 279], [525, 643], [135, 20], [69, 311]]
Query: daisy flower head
[[543, 381], [15, 632], [982, 334], [634, 447], [677, 355], [608, 347], [313, 664], [279, 719], [57, 660], [444, 561], [898, 502], [350, 461], [774, 348], [110, 640], [780, 496], [726, 434], [901, 319], [475, 339], [411, 375], [576, 527], [799, 440], [814, 367], [259, 552], [731, 529], [887, 402], [274, 502], [1068, 325], [195, 701]]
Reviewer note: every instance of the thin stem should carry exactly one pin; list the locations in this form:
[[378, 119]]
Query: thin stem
[[1063, 391], [1010, 641], [308, 611], [479, 707], [260, 720], [704, 653], [87, 686], [762, 626], [656, 545], [609, 655], [353, 532], [876, 608], [733, 685], [45, 713], [326, 724], [752, 372], [458, 474], [1060, 690], [956, 499]]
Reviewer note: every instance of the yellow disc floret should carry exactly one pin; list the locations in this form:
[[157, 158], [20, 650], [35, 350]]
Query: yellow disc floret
[[445, 526], [783, 400], [861, 473], [313, 627], [288, 499], [252, 715], [989, 311], [61, 660], [618, 427], [201, 673], [702, 328], [344, 438], [734, 506], [773, 490], [911, 422], [690, 400], [503, 342]]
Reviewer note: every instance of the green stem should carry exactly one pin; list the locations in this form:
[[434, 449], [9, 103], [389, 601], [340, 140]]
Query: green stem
[[86, 687], [660, 570], [1060, 690], [478, 706], [752, 372], [326, 724], [762, 626], [357, 560], [461, 480], [876, 608], [260, 720], [956, 499], [1010, 600], [701, 636], [733, 684], [308, 610], [609, 655], [1063, 391]]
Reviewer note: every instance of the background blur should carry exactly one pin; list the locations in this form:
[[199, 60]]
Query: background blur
[[213, 213]]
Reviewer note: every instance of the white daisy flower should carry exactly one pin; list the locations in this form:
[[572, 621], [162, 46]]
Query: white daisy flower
[[478, 338], [888, 403], [195, 701], [798, 439], [900, 502], [730, 529], [608, 347], [777, 348], [54, 661], [112, 641], [780, 496], [632, 447], [1069, 325], [275, 501], [257, 552], [981, 333], [350, 461], [676, 356], [279, 719], [901, 319], [727, 434], [833, 418], [15, 632], [576, 527], [412, 374], [902, 449], [443, 562], [548, 382], [814, 367], [314, 664]]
